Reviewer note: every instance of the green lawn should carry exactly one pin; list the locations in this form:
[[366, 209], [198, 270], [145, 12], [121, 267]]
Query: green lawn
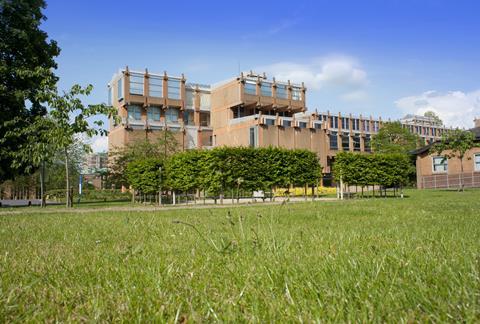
[[412, 259]]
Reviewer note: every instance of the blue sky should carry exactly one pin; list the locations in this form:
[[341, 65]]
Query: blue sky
[[381, 58]]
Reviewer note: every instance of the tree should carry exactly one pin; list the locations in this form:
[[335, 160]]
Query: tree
[[69, 119], [433, 115], [144, 175], [454, 144], [119, 157], [26, 69], [394, 138]]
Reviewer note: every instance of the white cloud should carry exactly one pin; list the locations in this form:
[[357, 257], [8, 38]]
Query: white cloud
[[358, 95], [455, 108], [99, 144], [341, 73]]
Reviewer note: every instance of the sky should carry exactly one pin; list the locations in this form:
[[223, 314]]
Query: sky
[[381, 58]]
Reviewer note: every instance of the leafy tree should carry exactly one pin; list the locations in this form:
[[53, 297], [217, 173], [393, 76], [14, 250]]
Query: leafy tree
[[26, 69], [119, 157], [144, 175], [387, 170], [433, 115], [453, 145], [394, 138], [69, 119]]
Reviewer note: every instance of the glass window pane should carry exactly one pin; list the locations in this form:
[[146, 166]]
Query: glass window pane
[[136, 84], [266, 89], [333, 141], [296, 93], [250, 88], [282, 91], [120, 89], [155, 86], [153, 113], [173, 89], [171, 115]]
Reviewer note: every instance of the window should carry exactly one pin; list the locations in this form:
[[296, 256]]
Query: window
[[204, 119], [153, 113], [366, 125], [333, 122], [346, 142], [155, 84], [302, 125], [440, 164], [136, 84], [238, 112], [134, 112], [266, 89], [188, 117], [333, 141], [205, 101], [296, 93], [253, 137], [366, 142], [376, 126], [109, 102], [476, 161], [287, 123], [269, 122], [173, 89], [171, 115], [356, 124], [282, 91], [120, 89], [356, 142], [345, 123], [250, 88]]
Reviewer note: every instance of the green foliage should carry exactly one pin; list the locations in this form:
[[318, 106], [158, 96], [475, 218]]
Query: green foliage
[[241, 167], [433, 115], [144, 175], [26, 69], [165, 146], [387, 170], [454, 144], [394, 138], [377, 261]]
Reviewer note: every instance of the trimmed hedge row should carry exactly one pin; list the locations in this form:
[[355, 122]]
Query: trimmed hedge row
[[226, 168], [387, 170]]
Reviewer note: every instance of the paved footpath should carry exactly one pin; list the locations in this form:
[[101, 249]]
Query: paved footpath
[[227, 203]]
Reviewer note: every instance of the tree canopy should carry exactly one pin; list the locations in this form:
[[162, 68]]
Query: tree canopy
[[455, 144], [394, 138], [26, 69]]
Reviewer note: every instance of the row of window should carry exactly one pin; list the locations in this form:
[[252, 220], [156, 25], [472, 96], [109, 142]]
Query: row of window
[[171, 115], [155, 84], [346, 142], [440, 164], [266, 90], [427, 131], [345, 122]]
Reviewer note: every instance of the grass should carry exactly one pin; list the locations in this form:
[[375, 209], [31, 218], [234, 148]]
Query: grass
[[381, 260]]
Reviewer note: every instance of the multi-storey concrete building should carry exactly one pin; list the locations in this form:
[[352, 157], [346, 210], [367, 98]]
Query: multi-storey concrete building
[[247, 110]]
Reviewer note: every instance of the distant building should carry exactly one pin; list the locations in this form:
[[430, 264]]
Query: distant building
[[246, 110], [94, 163], [434, 172]]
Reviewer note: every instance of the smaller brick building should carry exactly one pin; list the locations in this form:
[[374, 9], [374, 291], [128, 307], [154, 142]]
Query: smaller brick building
[[433, 172]]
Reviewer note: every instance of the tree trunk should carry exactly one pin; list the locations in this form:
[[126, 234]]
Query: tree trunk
[[67, 178], [461, 175], [42, 186]]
